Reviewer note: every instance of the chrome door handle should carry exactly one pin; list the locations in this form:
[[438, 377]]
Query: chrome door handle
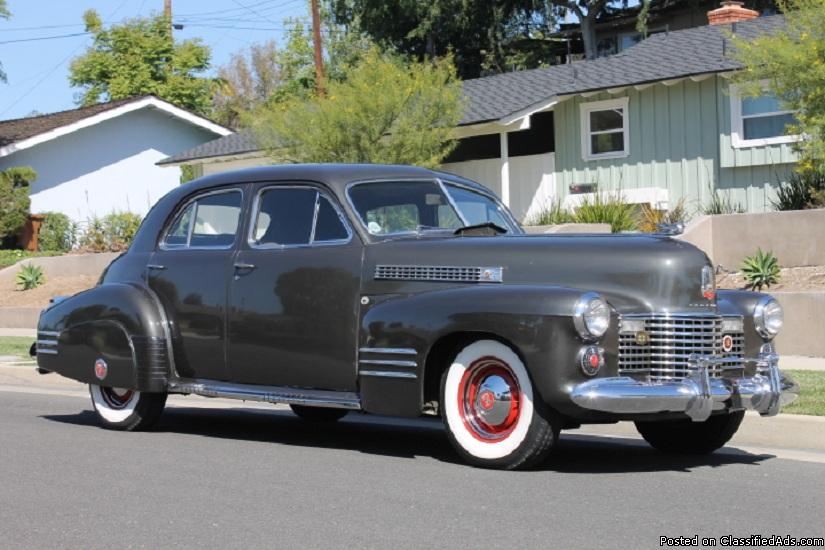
[[242, 266], [156, 267]]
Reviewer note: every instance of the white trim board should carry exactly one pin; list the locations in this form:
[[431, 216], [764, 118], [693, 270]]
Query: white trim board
[[93, 120]]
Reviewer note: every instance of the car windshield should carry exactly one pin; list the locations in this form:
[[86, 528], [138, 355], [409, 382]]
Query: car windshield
[[387, 208]]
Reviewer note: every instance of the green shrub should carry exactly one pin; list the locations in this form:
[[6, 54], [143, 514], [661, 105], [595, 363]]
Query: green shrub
[[10, 257], [57, 232], [607, 208], [801, 191], [721, 205], [112, 233], [30, 276], [552, 214], [650, 218], [761, 269], [14, 199], [120, 228]]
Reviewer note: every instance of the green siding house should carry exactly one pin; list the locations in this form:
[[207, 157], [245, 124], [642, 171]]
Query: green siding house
[[656, 122]]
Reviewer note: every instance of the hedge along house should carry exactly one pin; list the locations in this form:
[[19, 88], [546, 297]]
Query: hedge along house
[[658, 121], [98, 159]]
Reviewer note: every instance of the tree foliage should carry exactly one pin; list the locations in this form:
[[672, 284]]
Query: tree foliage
[[387, 110], [264, 75], [489, 36], [791, 62], [139, 57], [14, 199]]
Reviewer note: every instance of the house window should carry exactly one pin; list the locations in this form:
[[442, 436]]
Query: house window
[[759, 120], [604, 127]]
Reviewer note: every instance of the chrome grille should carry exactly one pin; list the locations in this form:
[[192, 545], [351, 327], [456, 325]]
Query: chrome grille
[[672, 340], [458, 274]]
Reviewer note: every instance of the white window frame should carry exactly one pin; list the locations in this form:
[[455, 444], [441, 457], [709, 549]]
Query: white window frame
[[737, 123], [606, 105]]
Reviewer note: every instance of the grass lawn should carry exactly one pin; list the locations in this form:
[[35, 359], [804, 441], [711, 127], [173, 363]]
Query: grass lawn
[[11, 257], [15, 345], [811, 394]]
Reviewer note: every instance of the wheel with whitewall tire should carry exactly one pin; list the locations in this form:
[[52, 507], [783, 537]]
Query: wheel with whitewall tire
[[123, 409], [687, 437], [493, 415], [318, 414]]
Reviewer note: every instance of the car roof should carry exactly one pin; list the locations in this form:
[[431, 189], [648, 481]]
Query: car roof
[[335, 176]]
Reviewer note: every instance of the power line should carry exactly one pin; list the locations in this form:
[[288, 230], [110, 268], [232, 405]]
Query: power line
[[42, 27], [39, 38], [253, 12], [242, 8]]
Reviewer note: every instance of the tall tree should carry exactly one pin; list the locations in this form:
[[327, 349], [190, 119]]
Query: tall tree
[[483, 36], [791, 63], [386, 111], [4, 14], [140, 57], [265, 75], [14, 199]]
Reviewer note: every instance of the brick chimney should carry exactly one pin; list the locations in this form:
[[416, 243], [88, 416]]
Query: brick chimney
[[731, 12]]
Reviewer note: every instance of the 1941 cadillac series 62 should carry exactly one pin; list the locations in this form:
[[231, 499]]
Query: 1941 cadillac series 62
[[401, 291]]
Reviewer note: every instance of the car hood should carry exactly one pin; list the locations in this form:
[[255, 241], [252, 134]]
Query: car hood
[[636, 273]]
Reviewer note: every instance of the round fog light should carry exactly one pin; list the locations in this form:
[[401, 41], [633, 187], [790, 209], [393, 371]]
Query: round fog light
[[591, 359]]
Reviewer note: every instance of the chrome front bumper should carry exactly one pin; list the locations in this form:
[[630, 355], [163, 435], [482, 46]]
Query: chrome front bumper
[[765, 390]]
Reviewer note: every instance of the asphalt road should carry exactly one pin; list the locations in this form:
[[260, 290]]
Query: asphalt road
[[232, 478]]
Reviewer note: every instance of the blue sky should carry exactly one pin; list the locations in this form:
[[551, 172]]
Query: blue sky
[[37, 70]]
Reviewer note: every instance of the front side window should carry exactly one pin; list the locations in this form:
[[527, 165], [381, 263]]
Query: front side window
[[296, 216], [395, 207], [759, 120], [604, 128], [210, 221]]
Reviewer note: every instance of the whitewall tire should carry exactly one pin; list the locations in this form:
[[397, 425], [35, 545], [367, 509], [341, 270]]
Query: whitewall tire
[[491, 411], [123, 409]]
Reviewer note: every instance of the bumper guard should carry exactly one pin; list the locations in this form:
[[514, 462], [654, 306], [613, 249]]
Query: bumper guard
[[764, 390]]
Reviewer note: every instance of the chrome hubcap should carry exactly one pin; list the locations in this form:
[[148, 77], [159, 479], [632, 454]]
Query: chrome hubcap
[[116, 398], [489, 399]]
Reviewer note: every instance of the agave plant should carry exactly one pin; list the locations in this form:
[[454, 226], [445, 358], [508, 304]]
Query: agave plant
[[30, 276], [761, 270]]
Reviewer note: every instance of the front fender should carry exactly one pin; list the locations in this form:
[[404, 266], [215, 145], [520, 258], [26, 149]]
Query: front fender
[[742, 302], [534, 319], [118, 322]]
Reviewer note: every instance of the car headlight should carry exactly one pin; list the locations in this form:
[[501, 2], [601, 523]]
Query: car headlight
[[591, 316], [768, 317]]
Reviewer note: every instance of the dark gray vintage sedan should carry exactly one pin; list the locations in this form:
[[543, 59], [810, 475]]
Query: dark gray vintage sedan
[[401, 291]]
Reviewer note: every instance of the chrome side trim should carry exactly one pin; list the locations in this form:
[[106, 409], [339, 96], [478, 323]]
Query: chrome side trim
[[48, 332], [46, 351], [267, 394], [439, 273], [389, 363], [388, 374], [389, 351]]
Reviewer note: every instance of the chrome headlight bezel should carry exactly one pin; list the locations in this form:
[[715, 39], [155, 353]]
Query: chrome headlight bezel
[[591, 316], [768, 317]]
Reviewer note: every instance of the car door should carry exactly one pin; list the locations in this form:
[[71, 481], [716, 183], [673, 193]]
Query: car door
[[189, 271], [294, 296]]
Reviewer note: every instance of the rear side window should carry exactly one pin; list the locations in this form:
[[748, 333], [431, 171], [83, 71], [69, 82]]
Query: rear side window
[[210, 221], [296, 216]]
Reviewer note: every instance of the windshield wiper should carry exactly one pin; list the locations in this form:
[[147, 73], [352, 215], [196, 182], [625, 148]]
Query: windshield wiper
[[480, 229]]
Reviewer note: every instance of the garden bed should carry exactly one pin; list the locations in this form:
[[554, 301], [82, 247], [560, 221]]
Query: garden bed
[[39, 297], [790, 279], [11, 257]]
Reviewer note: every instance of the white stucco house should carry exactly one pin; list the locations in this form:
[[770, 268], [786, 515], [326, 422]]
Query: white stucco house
[[98, 159]]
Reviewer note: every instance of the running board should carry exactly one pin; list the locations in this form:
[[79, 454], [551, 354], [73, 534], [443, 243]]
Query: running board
[[267, 394]]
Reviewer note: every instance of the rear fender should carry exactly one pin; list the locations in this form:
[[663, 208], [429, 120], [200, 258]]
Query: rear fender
[[118, 323]]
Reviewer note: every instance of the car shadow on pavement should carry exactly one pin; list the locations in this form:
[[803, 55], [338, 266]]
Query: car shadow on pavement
[[405, 438]]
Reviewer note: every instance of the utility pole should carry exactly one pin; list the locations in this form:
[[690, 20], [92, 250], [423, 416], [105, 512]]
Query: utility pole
[[319, 60], [167, 14]]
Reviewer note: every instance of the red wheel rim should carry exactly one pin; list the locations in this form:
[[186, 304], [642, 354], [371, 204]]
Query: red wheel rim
[[115, 398], [489, 399]]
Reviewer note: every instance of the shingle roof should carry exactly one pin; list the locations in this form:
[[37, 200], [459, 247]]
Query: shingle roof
[[663, 56], [18, 129], [698, 50], [233, 144]]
